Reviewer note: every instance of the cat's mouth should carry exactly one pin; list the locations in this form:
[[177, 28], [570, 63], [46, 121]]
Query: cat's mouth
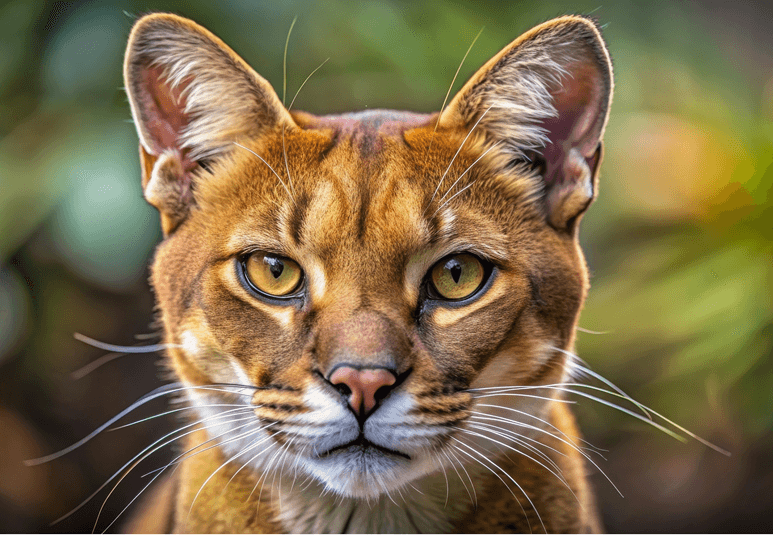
[[361, 444]]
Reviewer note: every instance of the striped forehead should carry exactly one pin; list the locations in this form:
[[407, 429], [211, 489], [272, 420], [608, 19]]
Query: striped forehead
[[355, 204], [367, 130]]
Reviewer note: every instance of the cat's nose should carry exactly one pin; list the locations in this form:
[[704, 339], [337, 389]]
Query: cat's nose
[[362, 387]]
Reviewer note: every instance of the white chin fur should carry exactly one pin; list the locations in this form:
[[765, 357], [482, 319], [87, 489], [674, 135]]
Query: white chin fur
[[354, 472]]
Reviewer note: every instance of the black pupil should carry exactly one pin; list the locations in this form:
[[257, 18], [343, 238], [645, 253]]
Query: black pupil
[[275, 265], [455, 268]]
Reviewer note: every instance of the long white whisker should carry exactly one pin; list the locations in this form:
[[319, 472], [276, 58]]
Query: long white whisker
[[141, 456], [579, 364], [520, 439], [287, 165], [469, 478], [516, 450], [249, 461], [568, 442], [184, 456], [191, 408], [272, 169], [164, 390], [238, 454], [458, 474], [445, 476], [493, 146], [497, 475], [510, 393], [104, 502], [448, 93], [457, 154], [121, 349]]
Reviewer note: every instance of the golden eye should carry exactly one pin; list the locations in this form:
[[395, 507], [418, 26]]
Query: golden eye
[[457, 276], [273, 274]]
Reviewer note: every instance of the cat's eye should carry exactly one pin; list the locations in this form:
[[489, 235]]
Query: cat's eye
[[457, 276], [274, 275]]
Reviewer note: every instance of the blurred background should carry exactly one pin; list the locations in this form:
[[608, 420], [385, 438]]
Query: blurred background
[[680, 241]]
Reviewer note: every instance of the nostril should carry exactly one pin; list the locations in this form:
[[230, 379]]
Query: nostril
[[343, 389], [382, 392]]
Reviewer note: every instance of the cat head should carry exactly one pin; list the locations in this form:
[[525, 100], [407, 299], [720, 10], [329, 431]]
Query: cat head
[[355, 279]]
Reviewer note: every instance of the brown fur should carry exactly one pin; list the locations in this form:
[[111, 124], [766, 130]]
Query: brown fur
[[366, 204]]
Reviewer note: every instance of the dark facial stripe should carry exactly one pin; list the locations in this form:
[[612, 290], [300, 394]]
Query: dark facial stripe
[[297, 217]]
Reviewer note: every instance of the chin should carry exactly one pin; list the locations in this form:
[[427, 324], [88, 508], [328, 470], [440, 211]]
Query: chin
[[363, 470]]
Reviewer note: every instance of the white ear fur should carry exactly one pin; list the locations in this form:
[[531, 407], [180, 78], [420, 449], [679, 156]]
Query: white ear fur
[[545, 96], [191, 98], [188, 88]]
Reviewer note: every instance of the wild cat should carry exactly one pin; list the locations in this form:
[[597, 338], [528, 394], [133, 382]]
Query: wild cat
[[371, 315]]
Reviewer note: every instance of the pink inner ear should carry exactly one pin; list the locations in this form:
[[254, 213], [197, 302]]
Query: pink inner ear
[[580, 118], [164, 114]]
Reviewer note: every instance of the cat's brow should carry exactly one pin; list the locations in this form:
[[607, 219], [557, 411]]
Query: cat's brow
[[244, 242]]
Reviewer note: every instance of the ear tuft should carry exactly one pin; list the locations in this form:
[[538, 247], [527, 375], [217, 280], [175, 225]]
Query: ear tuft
[[545, 98], [167, 187]]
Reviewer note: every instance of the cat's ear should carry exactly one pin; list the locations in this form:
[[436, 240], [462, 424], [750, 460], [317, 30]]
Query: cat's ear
[[545, 100], [191, 98]]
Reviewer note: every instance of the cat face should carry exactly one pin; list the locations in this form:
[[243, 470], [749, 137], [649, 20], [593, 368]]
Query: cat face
[[356, 279]]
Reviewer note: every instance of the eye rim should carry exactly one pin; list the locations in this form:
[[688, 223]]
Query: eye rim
[[297, 293], [434, 295]]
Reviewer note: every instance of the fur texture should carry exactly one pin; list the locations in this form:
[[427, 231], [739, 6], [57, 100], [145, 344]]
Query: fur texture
[[366, 204]]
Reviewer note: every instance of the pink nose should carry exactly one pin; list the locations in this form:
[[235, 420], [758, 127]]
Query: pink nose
[[363, 385]]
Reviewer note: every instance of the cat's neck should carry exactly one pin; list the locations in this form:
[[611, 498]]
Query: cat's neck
[[430, 505], [236, 501]]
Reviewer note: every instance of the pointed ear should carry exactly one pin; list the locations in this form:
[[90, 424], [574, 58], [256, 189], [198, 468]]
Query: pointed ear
[[545, 100], [191, 98]]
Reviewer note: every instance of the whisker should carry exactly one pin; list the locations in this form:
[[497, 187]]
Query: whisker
[[164, 390], [139, 456], [121, 349], [498, 477], [532, 396], [287, 166], [669, 432], [304, 83], [284, 62], [448, 93], [588, 331], [263, 477], [457, 154], [151, 481], [249, 461], [579, 364], [238, 454], [191, 408], [267, 164], [559, 477], [453, 197], [282, 471], [465, 172], [116, 352], [190, 453], [568, 438], [567, 442], [472, 501], [445, 476], [459, 68], [520, 439]]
